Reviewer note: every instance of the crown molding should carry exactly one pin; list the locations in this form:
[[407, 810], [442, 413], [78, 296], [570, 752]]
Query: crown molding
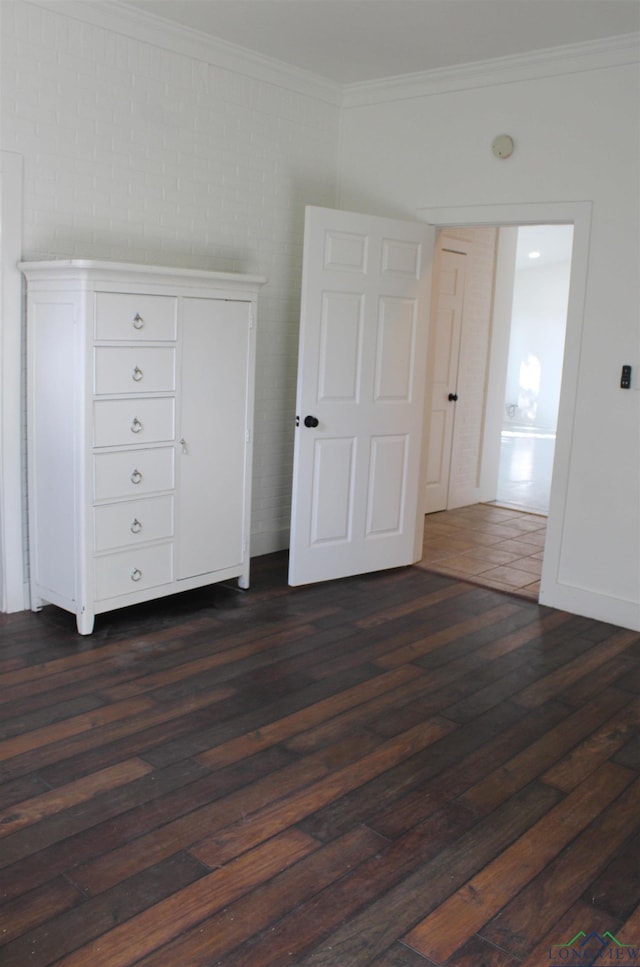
[[152, 29], [554, 61]]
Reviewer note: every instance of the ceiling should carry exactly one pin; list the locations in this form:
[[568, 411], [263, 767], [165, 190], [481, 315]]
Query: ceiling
[[553, 243], [350, 41]]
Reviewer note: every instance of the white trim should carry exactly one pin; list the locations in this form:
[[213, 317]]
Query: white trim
[[496, 379], [152, 29], [594, 604], [12, 587], [569, 59], [553, 591]]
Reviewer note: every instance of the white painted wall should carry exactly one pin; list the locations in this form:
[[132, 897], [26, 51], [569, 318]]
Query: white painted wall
[[143, 144], [577, 140]]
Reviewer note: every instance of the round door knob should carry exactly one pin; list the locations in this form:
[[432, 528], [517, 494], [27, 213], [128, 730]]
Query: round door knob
[[453, 397], [311, 421]]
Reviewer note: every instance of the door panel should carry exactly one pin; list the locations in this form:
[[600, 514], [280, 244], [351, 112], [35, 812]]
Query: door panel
[[332, 497], [361, 373], [387, 484], [340, 346], [395, 349]]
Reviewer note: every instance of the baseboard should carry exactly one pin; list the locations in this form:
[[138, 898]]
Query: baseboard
[[590, 604], [267, 542]]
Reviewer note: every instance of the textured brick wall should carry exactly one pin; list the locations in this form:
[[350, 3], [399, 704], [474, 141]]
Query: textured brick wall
[[135, 152]]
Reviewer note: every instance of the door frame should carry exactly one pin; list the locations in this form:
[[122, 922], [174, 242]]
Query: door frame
[[13, 590], [544, 213]]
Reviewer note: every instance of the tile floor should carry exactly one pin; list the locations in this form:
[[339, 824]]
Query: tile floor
[[493, 546]]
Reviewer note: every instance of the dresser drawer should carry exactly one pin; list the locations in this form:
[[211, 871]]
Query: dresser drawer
[[132, 522], [129, 369], [139, 318], [122, 422], [134, 570], [133, 473]]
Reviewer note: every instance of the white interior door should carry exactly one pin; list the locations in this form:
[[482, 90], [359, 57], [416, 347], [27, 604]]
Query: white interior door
[[360, 403], [442, 379]]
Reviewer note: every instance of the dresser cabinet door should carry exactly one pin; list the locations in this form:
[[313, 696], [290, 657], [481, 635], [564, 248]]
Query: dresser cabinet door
[[213, 426]]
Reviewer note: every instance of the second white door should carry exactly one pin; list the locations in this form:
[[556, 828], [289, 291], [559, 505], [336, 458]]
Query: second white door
[[442, 378]]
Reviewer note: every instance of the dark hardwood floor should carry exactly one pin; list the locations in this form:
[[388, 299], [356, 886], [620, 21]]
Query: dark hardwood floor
[[398, 769]]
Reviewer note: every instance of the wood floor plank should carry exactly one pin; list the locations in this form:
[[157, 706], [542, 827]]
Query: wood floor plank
[[457, 773], [359, 938], [596, 749], [616, 891], [582, 667], [241, 922], [22, 914], [136, 937], [196, 825], [534, 911], [256, 741], [458, 629], [257, 710], [39, 748], [580, 918], [32, 857], [37, 808], [288, 810], [454, 922], [542, 754], [398, 955], [307, 776]]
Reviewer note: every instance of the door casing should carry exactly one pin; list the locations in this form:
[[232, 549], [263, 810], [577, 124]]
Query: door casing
[[552, 593]]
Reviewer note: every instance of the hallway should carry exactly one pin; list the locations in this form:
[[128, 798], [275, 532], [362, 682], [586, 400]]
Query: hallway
[[495, 547]]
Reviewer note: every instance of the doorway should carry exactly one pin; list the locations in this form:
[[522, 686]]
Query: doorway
[[534, 366], [573, 221], [471, 456]]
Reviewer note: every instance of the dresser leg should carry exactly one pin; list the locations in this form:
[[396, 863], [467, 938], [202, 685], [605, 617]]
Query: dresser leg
[[85, 621]]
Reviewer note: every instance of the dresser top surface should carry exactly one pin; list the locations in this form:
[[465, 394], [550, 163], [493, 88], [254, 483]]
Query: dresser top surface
[[97, 269]]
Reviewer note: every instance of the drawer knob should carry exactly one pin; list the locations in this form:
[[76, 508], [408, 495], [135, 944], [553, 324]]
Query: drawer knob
[[138, 321], [136, 477], [136, 526], [136, 574], [137, 374], [136, 425]]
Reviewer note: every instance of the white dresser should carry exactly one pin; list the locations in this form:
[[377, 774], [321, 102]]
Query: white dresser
[[140, 411]]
